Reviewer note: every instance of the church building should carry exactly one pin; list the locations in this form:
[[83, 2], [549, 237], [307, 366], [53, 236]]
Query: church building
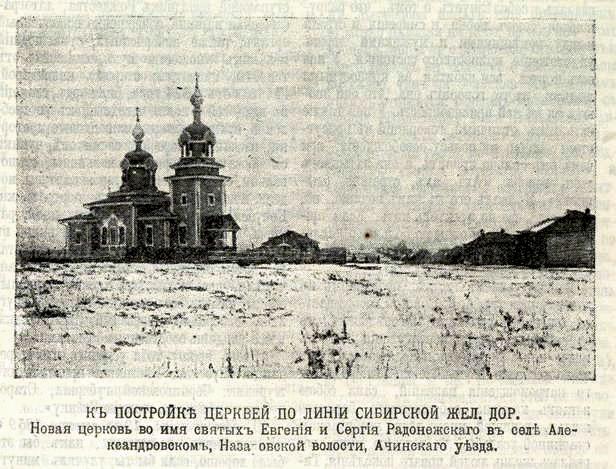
[[191, 216]]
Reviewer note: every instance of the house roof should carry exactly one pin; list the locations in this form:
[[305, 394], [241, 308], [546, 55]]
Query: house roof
[[293, 239], [493, 237], [221, 222], [541, 225], [85, 217], [571, 220]]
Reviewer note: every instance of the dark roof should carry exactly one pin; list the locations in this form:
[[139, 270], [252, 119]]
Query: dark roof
[[221, 222], [571, 221], [158, 212], [138, 197], [293, 239], [138, 155], [189, 160], [200, 131], [493, 237], [79, 217]]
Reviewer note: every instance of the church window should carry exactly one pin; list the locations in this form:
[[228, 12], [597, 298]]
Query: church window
[[149, 235], [122, 235], [77, 236], [184, 199], [182, 235], [114, 236], [104, 236], [211, 200]]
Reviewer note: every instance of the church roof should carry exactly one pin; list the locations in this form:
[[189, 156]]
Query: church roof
[[221, 222], [158, 212], [200, 131], [80, 217], [201, 161], [135, 197], [138, 155]]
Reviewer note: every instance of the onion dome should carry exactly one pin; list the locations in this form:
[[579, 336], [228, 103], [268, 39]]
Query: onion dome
[[197, 131], [184, 138]]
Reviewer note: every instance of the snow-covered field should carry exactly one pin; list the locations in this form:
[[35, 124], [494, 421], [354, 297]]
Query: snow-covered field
[[143, 320]]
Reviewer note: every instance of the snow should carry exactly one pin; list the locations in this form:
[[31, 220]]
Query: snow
[[394, 321]]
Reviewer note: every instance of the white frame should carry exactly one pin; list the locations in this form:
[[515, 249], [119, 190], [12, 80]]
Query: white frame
[[151, 227]]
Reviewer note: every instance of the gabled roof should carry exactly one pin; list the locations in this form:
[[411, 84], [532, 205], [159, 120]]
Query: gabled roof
[[292, 238], [221, 222], [571, 220], [540, 226], [85, 217]]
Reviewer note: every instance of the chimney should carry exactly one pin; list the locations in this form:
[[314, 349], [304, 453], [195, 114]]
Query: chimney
[[587, 211], [481, 232]]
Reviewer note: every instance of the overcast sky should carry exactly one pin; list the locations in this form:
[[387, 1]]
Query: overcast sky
[[420, 131]]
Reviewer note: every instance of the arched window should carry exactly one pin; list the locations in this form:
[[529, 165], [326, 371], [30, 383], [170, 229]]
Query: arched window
[[113, 232]]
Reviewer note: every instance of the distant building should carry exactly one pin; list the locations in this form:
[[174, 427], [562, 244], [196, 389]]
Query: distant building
[[333, 255], [449, 256], [566, 241], [365, 257], [291, 240], [493, 248], [139, 215]]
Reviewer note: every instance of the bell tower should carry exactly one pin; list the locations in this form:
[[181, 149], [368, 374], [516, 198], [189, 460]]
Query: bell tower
[[198, 195]]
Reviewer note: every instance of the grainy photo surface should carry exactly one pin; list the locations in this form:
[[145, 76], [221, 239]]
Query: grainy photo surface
[[305, 197]]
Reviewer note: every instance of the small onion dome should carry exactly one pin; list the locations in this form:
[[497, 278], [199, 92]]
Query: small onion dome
[[150, 164], [138, 133], [184, 138], [199, 131]]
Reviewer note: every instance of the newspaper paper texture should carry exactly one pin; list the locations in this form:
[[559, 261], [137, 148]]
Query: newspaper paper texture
[[307, 235]]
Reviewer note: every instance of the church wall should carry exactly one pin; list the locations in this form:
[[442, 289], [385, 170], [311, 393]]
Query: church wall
[[211, 186], [194, 188], [79, 244], [185, 213], [157, 231], [124, 214]]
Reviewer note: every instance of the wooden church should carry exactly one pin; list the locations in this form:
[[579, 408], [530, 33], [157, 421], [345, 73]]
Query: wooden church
[[139, 216]]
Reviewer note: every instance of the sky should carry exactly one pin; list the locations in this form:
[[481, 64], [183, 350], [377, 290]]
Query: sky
[[424, 131]]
